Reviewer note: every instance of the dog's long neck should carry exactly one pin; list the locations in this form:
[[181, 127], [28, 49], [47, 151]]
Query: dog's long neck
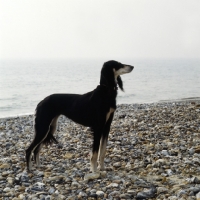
[[111, 84], [111, 93], [110, 88]]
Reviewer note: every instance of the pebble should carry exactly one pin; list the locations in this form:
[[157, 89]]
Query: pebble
[[112, 185], [100, 193], [198, 196], [147, 193], [51, 190], [82, 194], [161, 190], [153, 152]]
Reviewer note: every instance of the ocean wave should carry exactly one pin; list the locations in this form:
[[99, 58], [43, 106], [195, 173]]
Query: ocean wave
[[126, 96], [9, 99], [4, 108]]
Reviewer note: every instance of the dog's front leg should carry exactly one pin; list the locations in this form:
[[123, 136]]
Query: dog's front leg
[[93, 161], [102, 153], [95, 150], [103, 144]]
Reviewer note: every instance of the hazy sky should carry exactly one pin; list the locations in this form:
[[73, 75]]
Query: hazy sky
[[63, 29]]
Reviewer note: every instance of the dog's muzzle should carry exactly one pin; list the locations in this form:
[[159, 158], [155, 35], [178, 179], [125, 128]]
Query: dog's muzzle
[[128, 68]]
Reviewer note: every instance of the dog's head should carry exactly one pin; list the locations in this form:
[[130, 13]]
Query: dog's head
[[111, 71]]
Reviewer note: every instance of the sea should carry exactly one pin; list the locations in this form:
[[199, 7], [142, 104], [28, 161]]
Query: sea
[[24, 83]]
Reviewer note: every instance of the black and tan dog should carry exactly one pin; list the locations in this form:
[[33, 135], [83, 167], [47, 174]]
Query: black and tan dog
[[94, 109]]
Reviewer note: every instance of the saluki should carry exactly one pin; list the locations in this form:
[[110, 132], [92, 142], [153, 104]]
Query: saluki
[[94, 109]]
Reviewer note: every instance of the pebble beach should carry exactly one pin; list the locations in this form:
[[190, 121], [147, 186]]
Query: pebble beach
[[153, 153]]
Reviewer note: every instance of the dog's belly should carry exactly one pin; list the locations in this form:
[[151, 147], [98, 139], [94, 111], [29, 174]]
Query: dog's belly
[[83, 122]]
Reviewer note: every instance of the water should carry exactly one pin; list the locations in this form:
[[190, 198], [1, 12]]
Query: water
[[24, 83]]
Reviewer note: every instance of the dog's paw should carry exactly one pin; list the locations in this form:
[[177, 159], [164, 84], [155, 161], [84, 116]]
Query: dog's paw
[[92, 176]]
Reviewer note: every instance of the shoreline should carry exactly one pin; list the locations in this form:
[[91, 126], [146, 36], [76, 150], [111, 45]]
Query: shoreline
[[153, 151], [160, 102]]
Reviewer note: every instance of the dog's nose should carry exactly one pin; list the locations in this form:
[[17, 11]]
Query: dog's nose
[[131, 67]]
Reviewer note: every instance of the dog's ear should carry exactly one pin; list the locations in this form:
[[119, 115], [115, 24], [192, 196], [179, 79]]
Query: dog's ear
[[107, 76], [120, 83]]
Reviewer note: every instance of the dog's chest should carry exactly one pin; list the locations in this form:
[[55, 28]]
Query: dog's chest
[[109, 113]]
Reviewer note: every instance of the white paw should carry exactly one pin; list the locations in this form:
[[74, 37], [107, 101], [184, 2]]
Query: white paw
[[92, 176]]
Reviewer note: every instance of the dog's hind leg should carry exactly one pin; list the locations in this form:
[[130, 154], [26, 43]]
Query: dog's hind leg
[[53, 126], [41, 131], [36, 154], [103, 144], [48, 140]]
